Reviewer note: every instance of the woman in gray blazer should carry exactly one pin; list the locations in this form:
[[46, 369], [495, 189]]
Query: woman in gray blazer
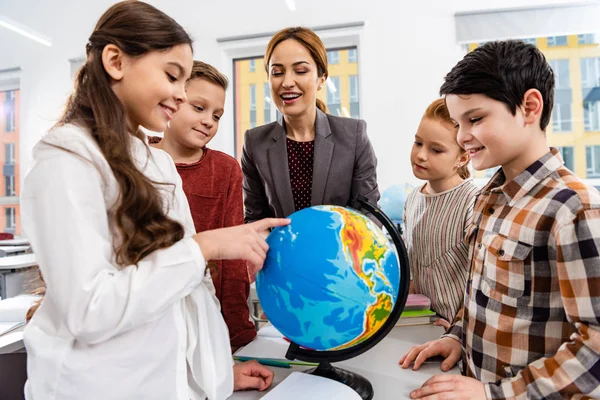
[[307, 157]]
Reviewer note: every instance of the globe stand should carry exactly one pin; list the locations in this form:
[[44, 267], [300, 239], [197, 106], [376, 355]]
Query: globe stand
[[355, 381]]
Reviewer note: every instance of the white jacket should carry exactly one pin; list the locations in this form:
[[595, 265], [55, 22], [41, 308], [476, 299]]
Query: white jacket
[[102, 332]]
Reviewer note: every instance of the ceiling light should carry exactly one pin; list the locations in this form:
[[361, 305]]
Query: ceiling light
[[25, 31]]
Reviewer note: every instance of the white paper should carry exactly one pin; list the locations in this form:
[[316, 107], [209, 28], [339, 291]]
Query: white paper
[[302, 386], [11, 342], [5, 327], [265, 347], [270, 331], [15, 309]]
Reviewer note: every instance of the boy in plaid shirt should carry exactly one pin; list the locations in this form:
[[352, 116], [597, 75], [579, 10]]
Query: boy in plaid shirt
[[530, 324]]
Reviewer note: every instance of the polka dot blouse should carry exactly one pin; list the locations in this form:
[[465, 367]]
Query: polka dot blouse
[[300, 161]]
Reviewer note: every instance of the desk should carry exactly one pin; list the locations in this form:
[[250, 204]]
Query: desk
[[380, 365], [14, 242], [12, 250], [12, 264]]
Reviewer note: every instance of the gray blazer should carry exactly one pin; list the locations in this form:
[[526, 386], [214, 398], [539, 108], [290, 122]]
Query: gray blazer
[[344, 165]]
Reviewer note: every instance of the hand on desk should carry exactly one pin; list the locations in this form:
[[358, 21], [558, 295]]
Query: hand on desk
[[442, 386], [450, 387], [251, 375], [447, 347]]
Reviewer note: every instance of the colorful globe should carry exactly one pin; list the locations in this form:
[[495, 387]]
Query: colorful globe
[[330, 279]]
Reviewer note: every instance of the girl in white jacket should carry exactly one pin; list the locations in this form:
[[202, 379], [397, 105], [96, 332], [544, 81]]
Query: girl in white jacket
[[128, 311]]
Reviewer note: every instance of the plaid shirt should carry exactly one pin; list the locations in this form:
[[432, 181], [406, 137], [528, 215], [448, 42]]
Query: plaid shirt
[[530, 325]]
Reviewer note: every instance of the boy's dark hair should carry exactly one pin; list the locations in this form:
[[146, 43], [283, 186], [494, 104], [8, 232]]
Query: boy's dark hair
[[202, 70], [504, 71]]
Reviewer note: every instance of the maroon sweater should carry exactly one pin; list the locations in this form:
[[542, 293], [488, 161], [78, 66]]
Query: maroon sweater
[[213, 187]]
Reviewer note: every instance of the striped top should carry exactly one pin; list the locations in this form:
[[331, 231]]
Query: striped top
[[437, 252]]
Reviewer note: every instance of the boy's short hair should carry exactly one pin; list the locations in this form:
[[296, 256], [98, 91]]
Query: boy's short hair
[[202, 70], [504, 71]]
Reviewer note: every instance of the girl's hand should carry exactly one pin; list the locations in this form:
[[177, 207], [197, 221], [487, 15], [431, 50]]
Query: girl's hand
[[242, 242], [252, 375]]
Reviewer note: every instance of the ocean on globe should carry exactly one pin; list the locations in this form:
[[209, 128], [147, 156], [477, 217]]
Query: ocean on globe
[[330, 280]]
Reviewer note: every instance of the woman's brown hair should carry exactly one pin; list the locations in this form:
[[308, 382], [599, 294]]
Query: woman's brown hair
[[136, 28], [439, 112], [311, 41]]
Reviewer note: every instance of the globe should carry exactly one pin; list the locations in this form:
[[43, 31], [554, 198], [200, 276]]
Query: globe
[[330, 280], [393, 199]]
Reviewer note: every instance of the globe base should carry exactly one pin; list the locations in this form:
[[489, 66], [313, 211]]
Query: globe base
[[357, 382]]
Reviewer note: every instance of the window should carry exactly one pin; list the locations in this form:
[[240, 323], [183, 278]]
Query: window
[[9, 153], [561, 72], [587, 38], [252, 106], [592, 161], [267, 105], [333, 95], [252, 65], [9, 111], [591, 116], [333, 57], [561, 117], [11, 222], [590, 72], [352, 56], [354, 102], [566, 152], [532, 41], [9, 185], [554, 41], [561, 113]]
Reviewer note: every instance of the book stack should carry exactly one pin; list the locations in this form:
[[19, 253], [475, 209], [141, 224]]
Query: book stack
[[417, 311]]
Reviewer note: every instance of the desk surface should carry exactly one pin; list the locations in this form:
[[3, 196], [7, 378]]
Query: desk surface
[[380, 365], [18, 261], [14, 242]]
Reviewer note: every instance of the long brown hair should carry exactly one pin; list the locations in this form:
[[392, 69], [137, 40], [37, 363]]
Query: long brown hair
[[311, 41], [136, 28], [439, 112]]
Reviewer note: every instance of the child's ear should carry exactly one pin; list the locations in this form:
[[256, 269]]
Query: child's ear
[[112, 60], [533, 105], [463, 160]]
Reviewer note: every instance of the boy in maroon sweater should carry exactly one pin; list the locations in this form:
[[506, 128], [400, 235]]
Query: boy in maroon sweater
[[212, 182]]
